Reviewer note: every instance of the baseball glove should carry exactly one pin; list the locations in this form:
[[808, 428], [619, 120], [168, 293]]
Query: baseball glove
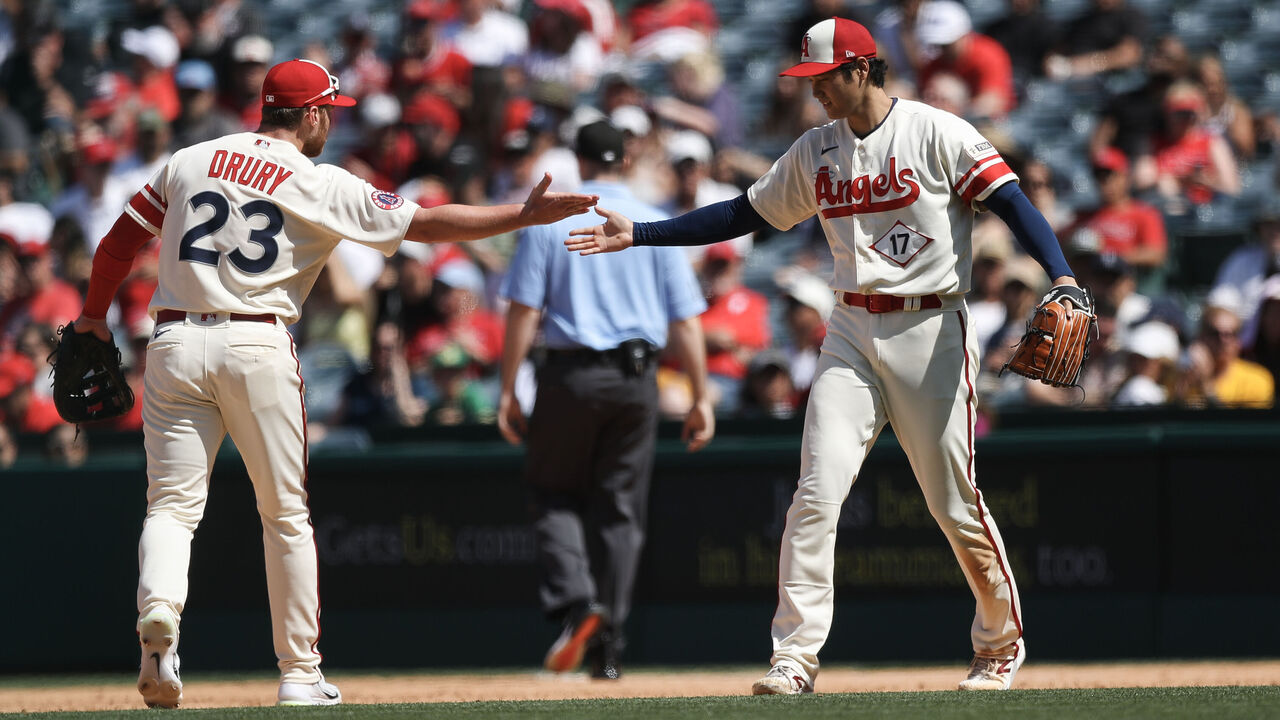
[[1057, 339], [88, 385]]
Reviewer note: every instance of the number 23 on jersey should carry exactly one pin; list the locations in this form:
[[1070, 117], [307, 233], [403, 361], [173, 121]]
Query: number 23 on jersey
[[190, 251]]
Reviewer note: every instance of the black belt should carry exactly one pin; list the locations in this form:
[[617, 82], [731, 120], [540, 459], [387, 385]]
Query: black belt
[[632, 356]]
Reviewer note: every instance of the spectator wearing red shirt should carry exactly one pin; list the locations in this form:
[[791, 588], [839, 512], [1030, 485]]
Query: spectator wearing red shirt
[[428, 63], [665, 30], [651, 16], [1189, 163], [20, 407], [1123, 225], [40, 296], [944, 27], [458, 293], [736, 323], [155, 52]]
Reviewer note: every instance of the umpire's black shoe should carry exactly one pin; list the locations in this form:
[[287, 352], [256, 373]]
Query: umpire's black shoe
[[580, 627], [604, 657]]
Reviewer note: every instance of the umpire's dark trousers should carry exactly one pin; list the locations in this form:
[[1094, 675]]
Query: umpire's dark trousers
[[590, 456]]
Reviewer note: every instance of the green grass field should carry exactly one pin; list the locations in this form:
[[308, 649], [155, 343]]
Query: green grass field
[[1218, 703]]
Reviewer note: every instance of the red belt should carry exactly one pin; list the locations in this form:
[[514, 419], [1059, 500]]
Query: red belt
[[166, 316], [891, 303]]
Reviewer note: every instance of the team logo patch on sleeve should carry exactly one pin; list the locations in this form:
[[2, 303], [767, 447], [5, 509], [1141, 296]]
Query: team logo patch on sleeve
[[387, 200]]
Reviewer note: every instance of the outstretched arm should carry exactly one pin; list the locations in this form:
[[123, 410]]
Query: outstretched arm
[[711, 224], [457, 223]]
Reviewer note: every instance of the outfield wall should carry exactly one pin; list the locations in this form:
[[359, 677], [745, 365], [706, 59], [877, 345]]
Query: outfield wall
[[1132, 536]]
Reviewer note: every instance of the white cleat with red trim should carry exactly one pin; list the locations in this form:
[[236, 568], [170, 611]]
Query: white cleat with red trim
[[781, 680], [992, 673]]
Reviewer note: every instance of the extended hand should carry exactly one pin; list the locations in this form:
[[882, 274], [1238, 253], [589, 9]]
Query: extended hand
[[612, 236], [544, 207]]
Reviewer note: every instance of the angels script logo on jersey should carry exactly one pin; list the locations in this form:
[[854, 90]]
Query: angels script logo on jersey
[[387, 200], [865, 193]]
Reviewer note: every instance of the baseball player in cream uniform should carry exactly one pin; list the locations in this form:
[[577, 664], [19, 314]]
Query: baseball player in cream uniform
[[895, 185], [246, 223]]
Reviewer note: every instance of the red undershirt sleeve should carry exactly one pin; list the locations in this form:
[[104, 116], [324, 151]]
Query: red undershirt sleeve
[[112, 263]]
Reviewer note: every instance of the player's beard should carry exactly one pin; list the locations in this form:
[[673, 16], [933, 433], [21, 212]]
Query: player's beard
[[314, 144]]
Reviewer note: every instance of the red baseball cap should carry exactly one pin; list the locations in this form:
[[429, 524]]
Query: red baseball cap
[[830, 44], [429, 10], [431, 109], [301, 83], [721, 251], [1109, 158], [573, 8], [99, 152]]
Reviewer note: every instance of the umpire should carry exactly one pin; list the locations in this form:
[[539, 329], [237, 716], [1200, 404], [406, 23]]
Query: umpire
[[594, 424]]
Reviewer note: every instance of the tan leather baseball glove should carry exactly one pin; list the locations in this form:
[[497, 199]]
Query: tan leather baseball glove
[[1056, 342]]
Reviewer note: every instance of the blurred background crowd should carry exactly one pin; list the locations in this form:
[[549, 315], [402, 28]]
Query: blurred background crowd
[[1147, 132]]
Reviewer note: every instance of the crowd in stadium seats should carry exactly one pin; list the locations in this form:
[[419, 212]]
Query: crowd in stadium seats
[[1147, 131]]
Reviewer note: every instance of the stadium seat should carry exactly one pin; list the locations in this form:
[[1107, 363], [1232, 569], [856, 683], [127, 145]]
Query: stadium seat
[[1242, 61], [1063, 11], [985, 12], [1195, 27], [1226, 17]]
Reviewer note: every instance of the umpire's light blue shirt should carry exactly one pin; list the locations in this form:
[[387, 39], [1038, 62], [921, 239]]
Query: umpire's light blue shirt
[[600, 301]]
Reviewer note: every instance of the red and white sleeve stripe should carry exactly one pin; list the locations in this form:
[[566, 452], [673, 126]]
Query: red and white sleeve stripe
[[148, 208], [986, 173]]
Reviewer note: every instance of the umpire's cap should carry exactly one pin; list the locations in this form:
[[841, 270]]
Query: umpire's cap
[[830, 44], [601, 142]]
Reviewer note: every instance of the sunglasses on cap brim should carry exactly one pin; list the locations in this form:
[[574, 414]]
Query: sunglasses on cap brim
[[331, 91]]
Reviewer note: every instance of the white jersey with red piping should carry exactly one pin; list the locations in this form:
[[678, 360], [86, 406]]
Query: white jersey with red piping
[[246, 223], [897, 205]]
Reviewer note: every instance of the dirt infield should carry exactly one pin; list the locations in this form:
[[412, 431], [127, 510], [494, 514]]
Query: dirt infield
[[430, 688]]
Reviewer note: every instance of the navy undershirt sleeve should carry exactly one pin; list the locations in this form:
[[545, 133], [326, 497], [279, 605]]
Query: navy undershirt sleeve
[[1030, 228], [711, 224]]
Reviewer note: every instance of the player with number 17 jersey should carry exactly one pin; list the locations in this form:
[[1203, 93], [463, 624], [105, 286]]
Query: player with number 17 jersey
[[260, 222], [897, 205]]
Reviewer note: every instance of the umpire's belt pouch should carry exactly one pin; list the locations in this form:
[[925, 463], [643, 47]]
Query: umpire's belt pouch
[[635, 356]]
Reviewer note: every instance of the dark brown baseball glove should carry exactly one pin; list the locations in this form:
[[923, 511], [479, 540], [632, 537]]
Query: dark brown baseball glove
[[1057, 340], [88, 384]]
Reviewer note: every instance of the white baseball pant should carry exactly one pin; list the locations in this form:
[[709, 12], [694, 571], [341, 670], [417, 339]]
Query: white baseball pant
[[915, 370], [205, 378]]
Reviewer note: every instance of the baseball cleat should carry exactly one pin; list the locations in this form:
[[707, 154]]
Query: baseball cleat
[[158, 678], [988, 673], [781, 680], [301, 694], [568, 650]]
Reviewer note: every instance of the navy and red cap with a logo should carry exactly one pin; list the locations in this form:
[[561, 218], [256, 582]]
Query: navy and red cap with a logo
[[302, 83], [830, 44]]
